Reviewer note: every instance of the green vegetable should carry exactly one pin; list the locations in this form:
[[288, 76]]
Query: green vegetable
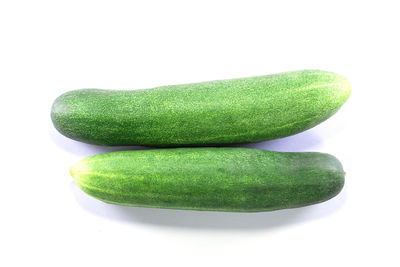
[[209, 113], [217, 179]]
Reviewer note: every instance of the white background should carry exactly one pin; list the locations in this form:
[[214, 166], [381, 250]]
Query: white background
[[50, 47]]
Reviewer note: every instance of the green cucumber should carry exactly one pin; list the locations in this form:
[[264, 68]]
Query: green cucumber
[[215, 179], [209, 113]]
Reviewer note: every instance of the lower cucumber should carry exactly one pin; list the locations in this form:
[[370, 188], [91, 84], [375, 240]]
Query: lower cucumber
[[215, 179]]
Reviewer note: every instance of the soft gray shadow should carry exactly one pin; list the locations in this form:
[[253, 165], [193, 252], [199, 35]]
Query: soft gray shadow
[[305, 141], [83, 149], [204, 220]]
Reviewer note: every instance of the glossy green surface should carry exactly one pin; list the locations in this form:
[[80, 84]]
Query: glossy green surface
[[210, 113], [216, 179]]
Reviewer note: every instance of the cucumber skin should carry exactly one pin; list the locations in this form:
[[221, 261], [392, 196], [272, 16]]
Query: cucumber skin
[[213, 179], [209, 113]]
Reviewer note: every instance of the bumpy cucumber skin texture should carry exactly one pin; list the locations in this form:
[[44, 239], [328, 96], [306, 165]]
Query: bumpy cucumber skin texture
[[215, 179], [209, 113]]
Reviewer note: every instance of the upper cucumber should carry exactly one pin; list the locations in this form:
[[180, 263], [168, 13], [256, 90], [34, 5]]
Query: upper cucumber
[[217, 112]]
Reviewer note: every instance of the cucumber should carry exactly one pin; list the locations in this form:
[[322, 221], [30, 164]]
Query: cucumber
[[215, 179], [209, 113]]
